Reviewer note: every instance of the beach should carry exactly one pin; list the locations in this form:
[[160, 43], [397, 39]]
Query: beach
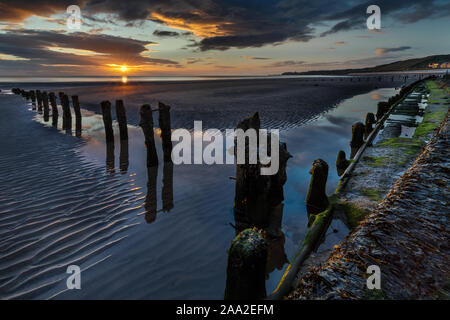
[[62, 204]]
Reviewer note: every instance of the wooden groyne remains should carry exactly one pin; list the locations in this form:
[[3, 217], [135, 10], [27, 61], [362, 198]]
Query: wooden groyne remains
[[246, 261], [46, 103]]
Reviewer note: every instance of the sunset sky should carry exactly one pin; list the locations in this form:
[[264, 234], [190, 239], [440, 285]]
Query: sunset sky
[[212, 37]]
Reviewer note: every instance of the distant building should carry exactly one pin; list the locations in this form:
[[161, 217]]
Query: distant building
[[445, 65], [433, 65]]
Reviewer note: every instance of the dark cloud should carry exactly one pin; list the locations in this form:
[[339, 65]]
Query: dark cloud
[[382, 51], [99, 50], [163, 33], [224, 24]]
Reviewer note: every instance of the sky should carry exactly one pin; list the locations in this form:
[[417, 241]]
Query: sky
[[214, 37]]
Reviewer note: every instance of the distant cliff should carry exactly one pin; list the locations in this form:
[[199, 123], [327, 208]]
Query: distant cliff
[[405, 65]]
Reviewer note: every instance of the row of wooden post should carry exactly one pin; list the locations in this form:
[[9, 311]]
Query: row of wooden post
[[42, 101]]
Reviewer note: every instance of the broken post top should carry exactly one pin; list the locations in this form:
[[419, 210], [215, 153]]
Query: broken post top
[[106, 105], [370, 118], [163, 107], [146, 114], [358, 130]]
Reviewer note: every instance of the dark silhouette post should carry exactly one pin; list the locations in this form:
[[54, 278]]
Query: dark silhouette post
[[370, 121], [67, 116], [166, 133], [357, 138], [316, 199], [76, 108], [341, 163], [382, 108], [146, 124], [107, 121], [46, 107], [167, 188], [52, 99]]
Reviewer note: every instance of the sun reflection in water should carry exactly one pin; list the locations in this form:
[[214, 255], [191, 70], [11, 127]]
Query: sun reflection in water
[[124, 79]]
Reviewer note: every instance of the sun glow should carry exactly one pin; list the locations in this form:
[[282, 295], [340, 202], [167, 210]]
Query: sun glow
[[124, 68], [124, 79]]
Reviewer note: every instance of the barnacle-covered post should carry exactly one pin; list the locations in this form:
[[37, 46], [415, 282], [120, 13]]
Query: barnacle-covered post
[[146, 124], [316, 199], [246, 266]]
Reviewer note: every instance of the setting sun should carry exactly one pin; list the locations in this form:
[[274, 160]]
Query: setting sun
[[123, 68]]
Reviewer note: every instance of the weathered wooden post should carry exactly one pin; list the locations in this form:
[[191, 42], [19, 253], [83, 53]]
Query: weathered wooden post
[[370, 121], [39, 99], [67, 116], [33, 99], [150, 199], [46, 107], [52, 99], [167, 188], [316, 199], [107, 121], [357, 138], [166, 133], [341, 163], [122, 119], [146, 124], [76, 108], [382, 108], [246, 266]]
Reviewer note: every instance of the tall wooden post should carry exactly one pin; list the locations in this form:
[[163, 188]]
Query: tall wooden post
[[107, 121], [46, 107], [341, 163], [39, 99], [146, 124], [370, 121], [33, 99], [67, 116], [52, 99], [166, 133], [122, 119], [123, 157], [77, 110]]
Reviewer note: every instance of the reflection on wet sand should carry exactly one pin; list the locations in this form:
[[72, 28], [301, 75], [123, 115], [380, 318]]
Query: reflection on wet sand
[[167, 189], [110, 157], [151, 203], [123, 158]]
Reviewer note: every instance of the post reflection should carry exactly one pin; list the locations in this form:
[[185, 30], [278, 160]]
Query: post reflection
[[123, 157], [110, 157], [167, 188], [151, 204]]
